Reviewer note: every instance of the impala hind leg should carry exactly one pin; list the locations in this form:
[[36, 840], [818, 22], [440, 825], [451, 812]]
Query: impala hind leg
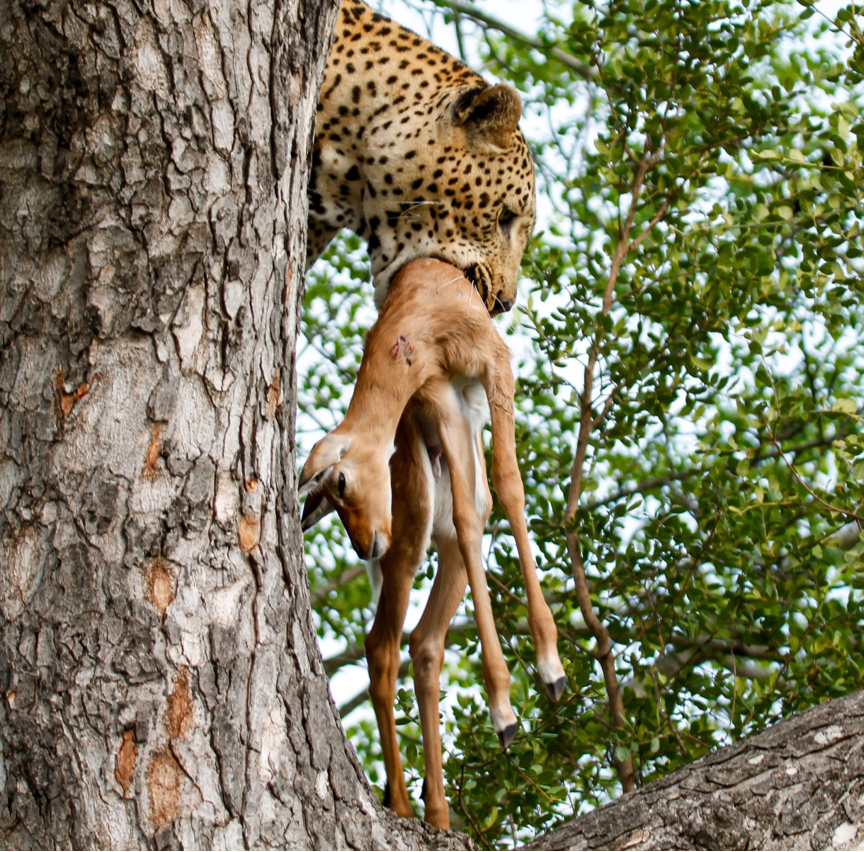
[[427, 654], [511, 493], [457, 444]]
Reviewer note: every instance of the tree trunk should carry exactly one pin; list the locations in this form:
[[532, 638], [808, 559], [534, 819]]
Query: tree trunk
[[160, 683]]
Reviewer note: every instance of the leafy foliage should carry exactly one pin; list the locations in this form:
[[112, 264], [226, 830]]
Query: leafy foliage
[[692, 317]]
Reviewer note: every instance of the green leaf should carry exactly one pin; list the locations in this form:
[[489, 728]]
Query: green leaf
[[845, 406]]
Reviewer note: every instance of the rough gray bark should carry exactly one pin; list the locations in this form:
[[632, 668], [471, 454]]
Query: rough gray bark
[[160, 683], [796, 785]]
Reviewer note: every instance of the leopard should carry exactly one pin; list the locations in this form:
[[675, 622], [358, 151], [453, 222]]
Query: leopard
[[419, 156]]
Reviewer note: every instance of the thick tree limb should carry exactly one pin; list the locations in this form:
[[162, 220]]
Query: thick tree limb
[[796, 785]]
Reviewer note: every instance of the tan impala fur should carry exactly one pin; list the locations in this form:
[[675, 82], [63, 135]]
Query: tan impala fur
[[431, 362]]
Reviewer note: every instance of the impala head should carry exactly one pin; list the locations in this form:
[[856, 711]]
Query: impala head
[[343, 475]]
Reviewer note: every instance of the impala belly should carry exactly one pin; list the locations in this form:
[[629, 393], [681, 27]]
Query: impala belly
[[469, 397]]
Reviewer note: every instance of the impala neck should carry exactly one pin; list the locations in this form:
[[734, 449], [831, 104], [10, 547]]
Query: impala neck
[[393, 370]]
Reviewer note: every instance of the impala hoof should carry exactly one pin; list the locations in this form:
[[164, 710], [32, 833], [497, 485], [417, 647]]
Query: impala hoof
[[556, 689], [506, 736]]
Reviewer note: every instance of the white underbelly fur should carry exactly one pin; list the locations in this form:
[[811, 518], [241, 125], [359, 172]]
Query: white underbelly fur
[[470, 397]]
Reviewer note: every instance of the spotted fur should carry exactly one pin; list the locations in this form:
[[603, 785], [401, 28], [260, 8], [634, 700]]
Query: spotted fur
[[421, 157]]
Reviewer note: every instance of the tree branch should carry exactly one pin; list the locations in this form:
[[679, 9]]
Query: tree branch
[[791, 786], [605, 655], [586, 72]]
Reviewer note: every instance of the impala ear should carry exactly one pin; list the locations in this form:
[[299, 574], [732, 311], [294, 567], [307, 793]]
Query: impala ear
[[327, 452], [316, 507], [490, 114], [310, 483]]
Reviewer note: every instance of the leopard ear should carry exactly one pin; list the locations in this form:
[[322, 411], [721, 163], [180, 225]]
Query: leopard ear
[[490, 114]]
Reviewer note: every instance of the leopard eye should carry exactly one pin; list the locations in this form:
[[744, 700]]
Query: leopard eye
[[506, 218], [340, 485]]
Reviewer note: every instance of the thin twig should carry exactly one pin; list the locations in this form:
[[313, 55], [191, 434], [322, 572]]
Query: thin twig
[[674, 731], [854, 516], [463, 808]]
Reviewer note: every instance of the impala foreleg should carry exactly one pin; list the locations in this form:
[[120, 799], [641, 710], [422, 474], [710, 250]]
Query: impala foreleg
[[511, 493], [412, 526], [382, 655], [427, 654], [456, 442]]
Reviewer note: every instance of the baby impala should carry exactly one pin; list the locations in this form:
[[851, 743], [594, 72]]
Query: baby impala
[[405, 468]]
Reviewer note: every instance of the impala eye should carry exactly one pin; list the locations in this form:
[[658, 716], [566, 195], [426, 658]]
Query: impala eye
[[340, 485]]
